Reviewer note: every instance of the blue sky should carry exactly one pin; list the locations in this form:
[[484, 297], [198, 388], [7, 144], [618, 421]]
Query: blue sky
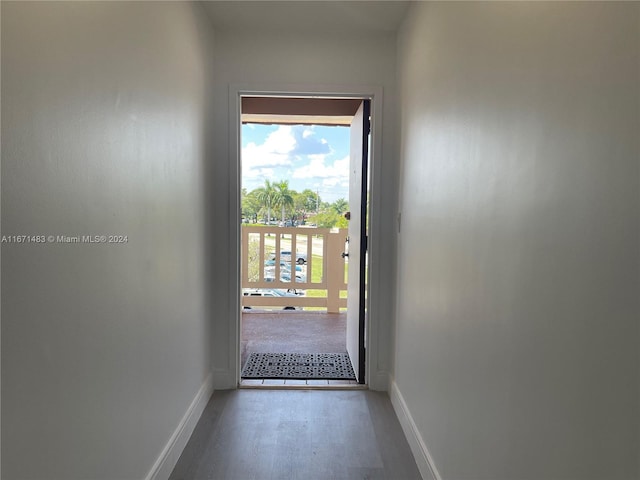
[[314, 157]]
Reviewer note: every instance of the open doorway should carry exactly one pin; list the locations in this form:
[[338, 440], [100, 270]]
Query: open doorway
[[303, 262]]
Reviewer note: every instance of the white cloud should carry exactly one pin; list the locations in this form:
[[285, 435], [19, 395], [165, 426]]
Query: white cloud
[[274, 151], [331, 175], [300, 154], [260, 172], [335, 182]]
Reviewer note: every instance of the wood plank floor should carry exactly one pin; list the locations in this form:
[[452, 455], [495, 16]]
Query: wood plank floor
[[297, 434]]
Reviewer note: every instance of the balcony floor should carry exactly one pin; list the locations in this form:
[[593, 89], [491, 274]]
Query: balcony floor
[[292, 331]]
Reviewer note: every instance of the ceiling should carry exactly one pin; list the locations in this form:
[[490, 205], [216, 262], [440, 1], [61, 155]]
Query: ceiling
[[334, 17], [299, 111]]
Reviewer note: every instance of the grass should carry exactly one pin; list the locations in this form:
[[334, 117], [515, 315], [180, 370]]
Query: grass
[[316, 276]]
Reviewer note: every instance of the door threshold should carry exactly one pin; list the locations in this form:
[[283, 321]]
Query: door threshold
[[282, 384]]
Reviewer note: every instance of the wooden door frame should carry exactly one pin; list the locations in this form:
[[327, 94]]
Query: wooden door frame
[[372, 93]]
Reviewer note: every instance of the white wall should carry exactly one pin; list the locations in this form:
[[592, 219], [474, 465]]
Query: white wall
[[104, 131], [281, 59], [518, 260]]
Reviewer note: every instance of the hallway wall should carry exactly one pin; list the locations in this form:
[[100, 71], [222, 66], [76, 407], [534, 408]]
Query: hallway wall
[[282, 58], [105, 130], [518, 259]]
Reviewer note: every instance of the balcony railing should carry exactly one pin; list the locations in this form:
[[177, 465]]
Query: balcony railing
[[314, 263]]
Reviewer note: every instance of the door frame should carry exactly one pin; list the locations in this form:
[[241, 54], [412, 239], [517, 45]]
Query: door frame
[[372, 93]]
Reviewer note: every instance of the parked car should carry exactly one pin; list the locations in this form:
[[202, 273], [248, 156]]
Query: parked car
[[285, 274], [286, 277], [272, 262], [283, 265], [288, 223], [285, 255], [273, 292]]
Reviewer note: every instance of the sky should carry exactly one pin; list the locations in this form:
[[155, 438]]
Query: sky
[[314, 157]]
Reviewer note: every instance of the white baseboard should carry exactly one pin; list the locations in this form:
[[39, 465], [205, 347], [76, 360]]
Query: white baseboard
[[224, 379], [427, 468], [379, 381], [167, 460]]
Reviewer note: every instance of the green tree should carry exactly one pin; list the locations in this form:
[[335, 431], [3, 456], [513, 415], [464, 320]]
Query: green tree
[[341, 222], [329, 219], [250, 204], [306, 203], [267, 197], [283, 196], [340, 206]]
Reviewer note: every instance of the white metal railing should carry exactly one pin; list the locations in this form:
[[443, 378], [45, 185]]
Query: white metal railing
[[265, 266]]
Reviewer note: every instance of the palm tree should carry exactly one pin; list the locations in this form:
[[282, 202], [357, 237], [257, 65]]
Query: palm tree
[[283, 196], [266, 196], [340, 206]]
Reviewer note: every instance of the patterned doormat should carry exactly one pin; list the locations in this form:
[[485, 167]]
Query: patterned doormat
[[327, 366]]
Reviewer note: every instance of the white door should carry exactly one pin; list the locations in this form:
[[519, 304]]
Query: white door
[[358, 239]]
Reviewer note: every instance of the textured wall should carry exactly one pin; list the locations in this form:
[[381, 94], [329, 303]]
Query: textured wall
[[518, 259], [105, 116]]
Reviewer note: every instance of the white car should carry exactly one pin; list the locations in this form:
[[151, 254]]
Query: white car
[[285, 274], [285, 256], [273, 292]]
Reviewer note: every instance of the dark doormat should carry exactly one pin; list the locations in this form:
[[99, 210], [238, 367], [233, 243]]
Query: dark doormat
[[326, 366]]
